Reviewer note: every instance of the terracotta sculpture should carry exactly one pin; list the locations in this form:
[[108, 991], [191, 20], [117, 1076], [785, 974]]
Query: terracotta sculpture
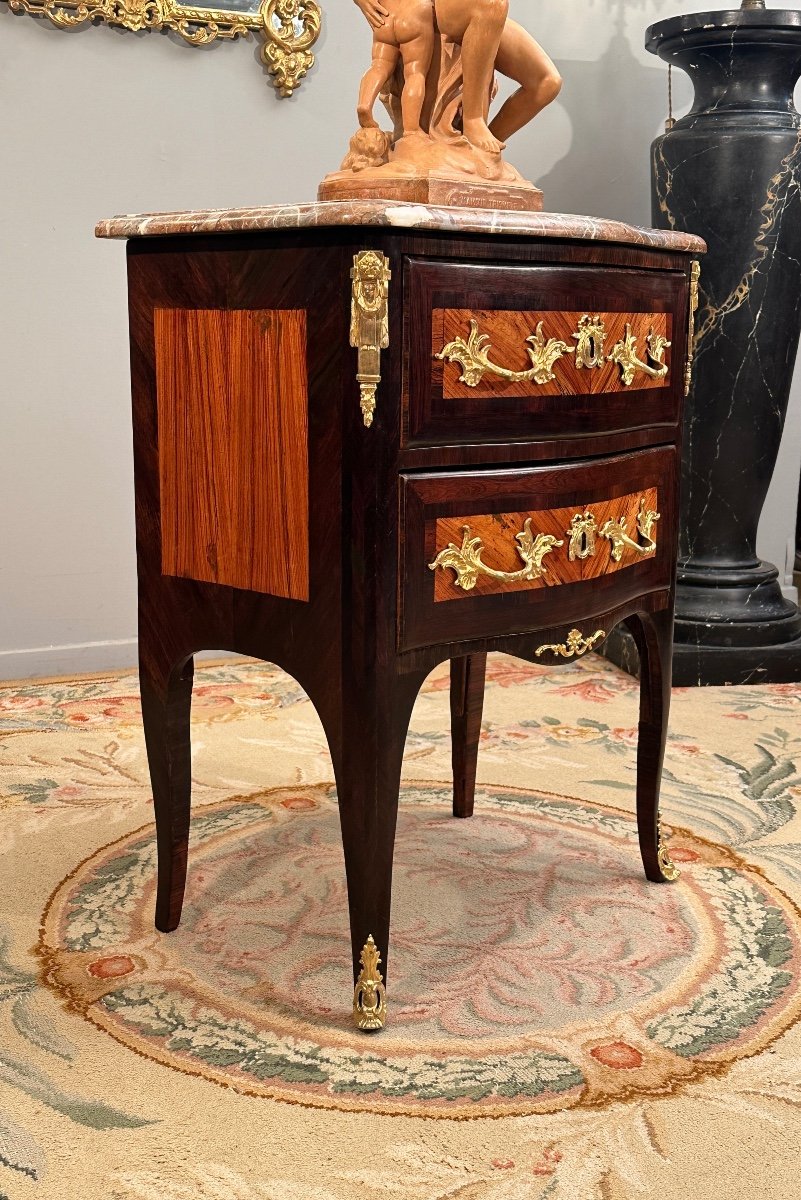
[[407, 31], [444, 148]]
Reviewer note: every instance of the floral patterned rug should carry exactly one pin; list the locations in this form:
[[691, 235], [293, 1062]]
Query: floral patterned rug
[[578, 1033]]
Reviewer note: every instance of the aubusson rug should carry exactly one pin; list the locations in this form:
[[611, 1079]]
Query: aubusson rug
[[558, 1027]]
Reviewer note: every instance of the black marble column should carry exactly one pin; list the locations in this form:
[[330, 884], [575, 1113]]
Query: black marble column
[[731, 171]]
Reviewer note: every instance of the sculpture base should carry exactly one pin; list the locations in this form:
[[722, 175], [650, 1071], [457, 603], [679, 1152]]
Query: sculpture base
[[419, 170], [433, 189]]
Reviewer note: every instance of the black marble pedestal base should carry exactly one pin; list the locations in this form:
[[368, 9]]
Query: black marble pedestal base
[[710, 666]]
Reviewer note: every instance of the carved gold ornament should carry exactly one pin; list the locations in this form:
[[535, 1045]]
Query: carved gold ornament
[[369, 995], [666, 865], [576, 645], [582, 531], [472, 355], [590, 337], [624, 353], [695, 276], [465, 560], [290, 27], [616, 533], [369, 323]]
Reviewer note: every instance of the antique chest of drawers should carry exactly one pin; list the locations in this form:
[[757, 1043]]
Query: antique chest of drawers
[[370, 438]]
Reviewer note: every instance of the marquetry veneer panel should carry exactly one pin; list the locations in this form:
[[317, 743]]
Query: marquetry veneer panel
[[233, 447], [498, 533], [507, 333]]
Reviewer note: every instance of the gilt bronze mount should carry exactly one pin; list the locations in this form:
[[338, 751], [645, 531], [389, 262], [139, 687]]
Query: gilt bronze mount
[[576, 645], [369, 323], [666, 865], [290, 27], [466, 559], [369, 995], [472, 354]]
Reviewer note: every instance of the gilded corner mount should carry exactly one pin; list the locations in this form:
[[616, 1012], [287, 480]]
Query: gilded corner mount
[[290, 27], [666, 865], [369, 994], [695, 281], [369, 323]]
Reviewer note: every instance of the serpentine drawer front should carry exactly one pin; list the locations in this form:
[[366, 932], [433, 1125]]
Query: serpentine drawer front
[[518, 352], [489, 552]]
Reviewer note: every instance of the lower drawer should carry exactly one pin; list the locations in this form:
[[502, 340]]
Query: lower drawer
[[492, 553]]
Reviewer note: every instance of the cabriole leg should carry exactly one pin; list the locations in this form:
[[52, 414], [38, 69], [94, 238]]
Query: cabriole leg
[[368, 770], [166, 702], [653, 634]]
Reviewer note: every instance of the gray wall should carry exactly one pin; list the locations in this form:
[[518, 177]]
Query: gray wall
[[99, 121]]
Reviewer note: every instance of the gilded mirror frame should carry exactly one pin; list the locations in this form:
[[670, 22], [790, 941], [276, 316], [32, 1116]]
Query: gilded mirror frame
[[290, 27]]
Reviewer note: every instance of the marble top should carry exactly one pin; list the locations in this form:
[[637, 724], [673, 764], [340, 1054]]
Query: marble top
[[398, 215]]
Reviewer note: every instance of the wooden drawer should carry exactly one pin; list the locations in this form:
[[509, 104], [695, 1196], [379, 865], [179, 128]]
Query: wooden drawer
[[491, 553], [523, 353]]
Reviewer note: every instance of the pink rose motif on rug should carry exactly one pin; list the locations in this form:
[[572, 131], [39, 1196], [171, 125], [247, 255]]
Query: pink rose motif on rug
[[532, 966]]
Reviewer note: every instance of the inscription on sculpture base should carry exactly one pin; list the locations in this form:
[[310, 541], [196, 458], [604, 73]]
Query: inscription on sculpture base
[[433, 188]]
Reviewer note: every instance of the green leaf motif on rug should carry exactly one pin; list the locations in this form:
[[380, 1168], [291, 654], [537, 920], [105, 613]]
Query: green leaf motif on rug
[[225, 1043], [749, 979]]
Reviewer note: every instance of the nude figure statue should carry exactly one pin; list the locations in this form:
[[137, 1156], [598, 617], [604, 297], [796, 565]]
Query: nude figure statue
[[433, 65], [406, 31], [489, 41]]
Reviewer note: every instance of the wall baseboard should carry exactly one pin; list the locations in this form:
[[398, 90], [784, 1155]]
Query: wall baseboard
[[84, 658], [77, 658]]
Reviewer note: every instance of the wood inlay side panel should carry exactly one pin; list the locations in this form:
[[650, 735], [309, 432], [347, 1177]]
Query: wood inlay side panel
[[233, 447]]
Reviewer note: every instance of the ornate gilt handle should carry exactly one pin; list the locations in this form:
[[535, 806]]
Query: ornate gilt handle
[[624, 353], [472, 355], [466, 561], [616, 533], [575, 647]]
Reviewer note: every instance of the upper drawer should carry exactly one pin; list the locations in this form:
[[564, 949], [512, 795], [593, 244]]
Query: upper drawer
[[518, 353]]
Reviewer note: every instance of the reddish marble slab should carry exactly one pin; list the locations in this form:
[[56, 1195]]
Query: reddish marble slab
[[398, 215]]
